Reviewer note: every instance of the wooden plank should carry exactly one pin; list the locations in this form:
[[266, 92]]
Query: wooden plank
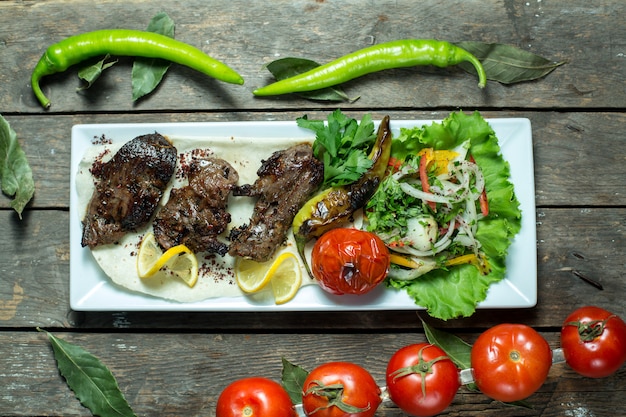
[[247, 35], [183, 374], [578, 156], [35, 269], [35, 278], [172, 364]]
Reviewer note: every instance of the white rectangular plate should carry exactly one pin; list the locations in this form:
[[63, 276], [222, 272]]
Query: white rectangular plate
[[91, 289]]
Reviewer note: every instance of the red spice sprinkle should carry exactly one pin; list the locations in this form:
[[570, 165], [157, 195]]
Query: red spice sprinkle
[[187, 160], [102, 140]]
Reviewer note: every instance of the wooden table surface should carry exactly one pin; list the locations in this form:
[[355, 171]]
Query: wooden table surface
[[176, 364]]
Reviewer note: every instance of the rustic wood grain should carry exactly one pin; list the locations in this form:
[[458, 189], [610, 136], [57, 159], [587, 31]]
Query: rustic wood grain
[[176, 364], [183, 374], [247, 35]]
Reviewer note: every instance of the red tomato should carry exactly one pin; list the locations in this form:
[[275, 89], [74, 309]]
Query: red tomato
[[510, 361], [340, 389], [349, 261], [255, 397], [422, 380], [594, 342]]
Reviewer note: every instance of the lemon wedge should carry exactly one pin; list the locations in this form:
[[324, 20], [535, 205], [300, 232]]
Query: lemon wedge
[[179, 259], [283, 272]]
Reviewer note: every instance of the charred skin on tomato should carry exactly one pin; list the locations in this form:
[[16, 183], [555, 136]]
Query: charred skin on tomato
[[349, 261]]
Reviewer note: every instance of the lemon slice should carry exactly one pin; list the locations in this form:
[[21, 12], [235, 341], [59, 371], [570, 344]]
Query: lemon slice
[[148, 256], [179, 259], [184, 264], [286, 279], [283, 272], [252, 276]]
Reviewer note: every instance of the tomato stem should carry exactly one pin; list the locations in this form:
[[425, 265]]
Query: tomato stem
[[422, 367], [334, 395], [590, 330]]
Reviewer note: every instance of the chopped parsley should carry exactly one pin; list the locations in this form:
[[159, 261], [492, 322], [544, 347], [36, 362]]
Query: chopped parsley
[[342, 144]]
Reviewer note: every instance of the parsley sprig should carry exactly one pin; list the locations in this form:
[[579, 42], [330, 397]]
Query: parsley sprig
[[342, 144]]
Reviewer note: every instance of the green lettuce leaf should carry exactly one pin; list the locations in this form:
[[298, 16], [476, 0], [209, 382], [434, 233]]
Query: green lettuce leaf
[[448, 294]]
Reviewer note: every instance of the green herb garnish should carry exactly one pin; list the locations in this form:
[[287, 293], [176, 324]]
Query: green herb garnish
[[342, 144]]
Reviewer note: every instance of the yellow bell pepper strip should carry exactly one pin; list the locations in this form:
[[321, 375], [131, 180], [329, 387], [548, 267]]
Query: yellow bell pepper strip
[[404, 261], [412, 268], [481, 263], [124, 42], [416, 267]]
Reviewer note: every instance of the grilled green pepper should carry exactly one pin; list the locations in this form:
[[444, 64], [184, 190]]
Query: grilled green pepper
[[335, 205]]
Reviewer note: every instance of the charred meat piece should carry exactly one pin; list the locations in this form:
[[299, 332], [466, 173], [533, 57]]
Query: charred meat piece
[[286, 181], [128, 189], [196, 214]]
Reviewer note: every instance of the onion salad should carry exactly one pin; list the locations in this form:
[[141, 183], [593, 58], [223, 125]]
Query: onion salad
[[440, 212]]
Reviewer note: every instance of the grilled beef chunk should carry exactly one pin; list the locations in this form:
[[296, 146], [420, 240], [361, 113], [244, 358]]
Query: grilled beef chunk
[[286, 181], [128, 189], [195, 214]]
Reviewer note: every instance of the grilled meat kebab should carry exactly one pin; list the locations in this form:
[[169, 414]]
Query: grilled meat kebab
[[195, 214], [128, 189], [286, 181]]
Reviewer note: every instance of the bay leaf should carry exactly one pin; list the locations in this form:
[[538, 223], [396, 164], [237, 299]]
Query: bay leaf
[[92, 382], [92, 72], [507, 64], [457, 349], [290, 66], [147, 73], [293, 377], [16, 176]]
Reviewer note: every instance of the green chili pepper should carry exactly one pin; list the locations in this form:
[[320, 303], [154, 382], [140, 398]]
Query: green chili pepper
[[335, 205], [75, 49], [395, 54]]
